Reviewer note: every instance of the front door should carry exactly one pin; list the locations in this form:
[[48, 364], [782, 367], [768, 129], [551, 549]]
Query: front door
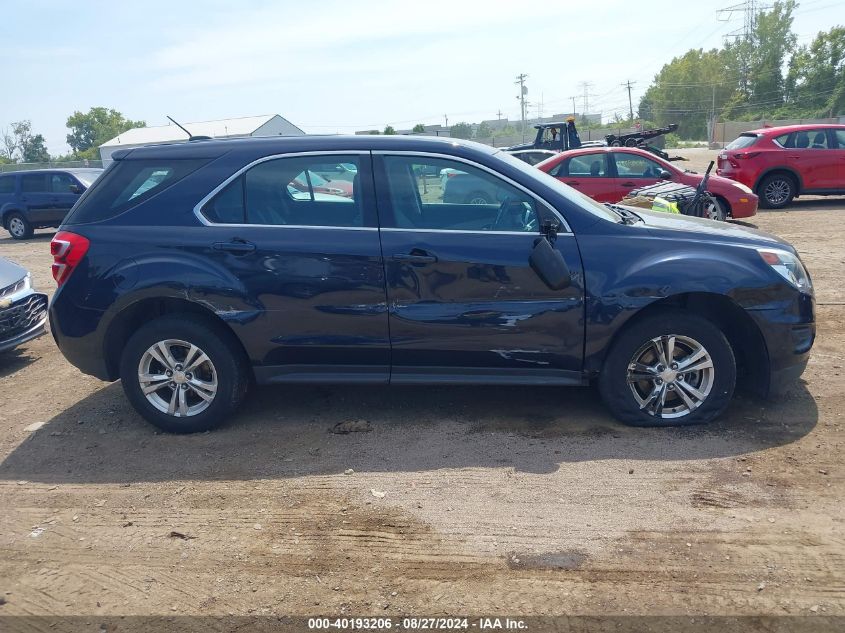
[[311, 263], [634, 171], [63, 198], [464, 302]]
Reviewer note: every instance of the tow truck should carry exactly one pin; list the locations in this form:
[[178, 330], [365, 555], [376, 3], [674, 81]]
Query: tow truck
[[560, 136]]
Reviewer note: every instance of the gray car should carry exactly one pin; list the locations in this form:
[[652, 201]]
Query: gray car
[[23, 312]]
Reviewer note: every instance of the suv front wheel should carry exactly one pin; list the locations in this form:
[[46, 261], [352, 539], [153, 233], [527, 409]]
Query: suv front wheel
[[671, 368], [182, 375]]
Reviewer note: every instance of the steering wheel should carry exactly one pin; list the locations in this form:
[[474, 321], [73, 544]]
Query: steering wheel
[[507, 214]]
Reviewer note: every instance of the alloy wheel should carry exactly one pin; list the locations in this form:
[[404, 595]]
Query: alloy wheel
[[177, 378], [777, 191], [671, 376]]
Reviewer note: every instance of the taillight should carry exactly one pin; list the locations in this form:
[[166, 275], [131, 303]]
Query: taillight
[[742, 155], [67, 250]]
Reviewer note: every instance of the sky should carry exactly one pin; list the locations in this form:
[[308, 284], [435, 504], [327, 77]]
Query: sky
[[340, 66]]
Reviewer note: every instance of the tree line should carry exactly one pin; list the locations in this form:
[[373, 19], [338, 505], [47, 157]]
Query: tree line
[[765, 75], [88, 130]]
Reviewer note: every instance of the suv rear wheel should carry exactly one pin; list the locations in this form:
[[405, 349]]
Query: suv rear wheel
[[182, 375], [776, 190], [19, 227], [671, 368]]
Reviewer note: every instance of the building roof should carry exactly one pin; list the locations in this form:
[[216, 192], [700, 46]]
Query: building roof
[[223, 128]]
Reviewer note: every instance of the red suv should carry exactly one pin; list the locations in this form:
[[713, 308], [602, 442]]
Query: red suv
[[780, 163]]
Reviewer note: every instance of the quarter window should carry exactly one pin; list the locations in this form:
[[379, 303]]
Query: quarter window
[[634, 166], [434, 193], [7, 184], [289, 191]]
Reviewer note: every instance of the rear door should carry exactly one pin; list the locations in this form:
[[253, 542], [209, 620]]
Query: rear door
[[311, 263], [813, 157], [838, 137], [590, 174], [37, 197], [465, 305]]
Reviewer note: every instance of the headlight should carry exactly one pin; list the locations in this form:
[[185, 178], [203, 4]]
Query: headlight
[[743, 187], [787, 266]]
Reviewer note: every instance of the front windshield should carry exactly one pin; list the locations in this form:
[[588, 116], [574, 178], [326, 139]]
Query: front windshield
[[87, 178], [575, 197]]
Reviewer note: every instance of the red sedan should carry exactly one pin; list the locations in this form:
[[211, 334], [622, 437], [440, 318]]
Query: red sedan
[[607, 174]]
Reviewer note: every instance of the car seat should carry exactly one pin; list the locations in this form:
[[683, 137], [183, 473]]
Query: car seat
[[802, 140], [820, 141], [404, 195], [595, 168]]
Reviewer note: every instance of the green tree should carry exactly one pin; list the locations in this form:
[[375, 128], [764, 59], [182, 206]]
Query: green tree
[[20, 144], [772, 40], [388, 129], [461, 130], [419, 127], [483, 131], [89, 130], [815, 83]]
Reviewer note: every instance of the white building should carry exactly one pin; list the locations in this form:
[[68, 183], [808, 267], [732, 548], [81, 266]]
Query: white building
[[265, 125]]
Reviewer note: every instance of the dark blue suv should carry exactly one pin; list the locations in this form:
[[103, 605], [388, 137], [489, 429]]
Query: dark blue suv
[[190, 271], [40, 198]]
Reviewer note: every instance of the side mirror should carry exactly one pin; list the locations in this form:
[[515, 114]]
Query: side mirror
[[663, 174], [548, 263], [75, 188]]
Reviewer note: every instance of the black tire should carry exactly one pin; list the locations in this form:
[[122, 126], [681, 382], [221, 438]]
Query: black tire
[[619, 396], [18, 226], [776, 191], [227, 361], [477, 197]]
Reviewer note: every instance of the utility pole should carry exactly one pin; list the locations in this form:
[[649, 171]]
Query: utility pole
[[750, 10], [627, 85], [573, 106], [446, 116], [520, 81], [499, 115]]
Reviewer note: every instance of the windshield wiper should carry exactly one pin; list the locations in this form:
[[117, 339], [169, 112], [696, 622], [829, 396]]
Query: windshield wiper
[[628, 217]]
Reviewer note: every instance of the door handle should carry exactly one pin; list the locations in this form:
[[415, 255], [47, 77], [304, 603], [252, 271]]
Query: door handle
[[573, 182], [416, 256], [236, 246], [628, 184]]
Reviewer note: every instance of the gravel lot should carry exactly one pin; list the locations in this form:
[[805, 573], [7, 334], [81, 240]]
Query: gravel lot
[[511, 501]]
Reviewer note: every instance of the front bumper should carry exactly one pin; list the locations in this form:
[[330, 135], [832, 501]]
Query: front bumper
[[789, 336], [23, 320]]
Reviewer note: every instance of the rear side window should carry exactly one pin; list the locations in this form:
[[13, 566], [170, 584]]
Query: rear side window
[[290, 191], [34, 183], [127, 183], [7, 184], [743, 141], [784, 140]]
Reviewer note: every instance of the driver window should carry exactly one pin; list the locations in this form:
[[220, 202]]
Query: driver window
[[453, 196]]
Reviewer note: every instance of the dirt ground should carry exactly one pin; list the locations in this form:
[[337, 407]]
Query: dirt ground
[[458, 500]]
